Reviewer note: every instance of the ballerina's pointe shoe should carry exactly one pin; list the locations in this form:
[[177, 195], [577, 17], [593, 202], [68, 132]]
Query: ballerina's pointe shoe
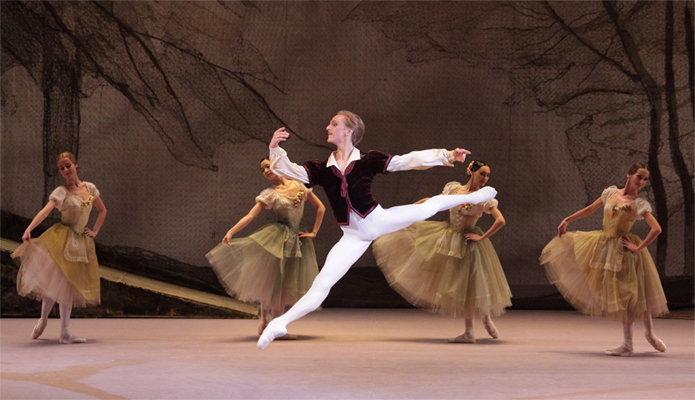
[[623, 351], [490, 327], [655, 341], [465, 338], [38, 329], [271, 332], [69, 338]]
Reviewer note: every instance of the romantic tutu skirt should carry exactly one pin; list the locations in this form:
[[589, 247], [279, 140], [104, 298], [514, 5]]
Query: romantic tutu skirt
[[434, 267], [45, 271], [272, 266], [599, 277]]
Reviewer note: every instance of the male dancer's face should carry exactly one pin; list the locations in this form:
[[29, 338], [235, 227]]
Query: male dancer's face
[[338, 132]]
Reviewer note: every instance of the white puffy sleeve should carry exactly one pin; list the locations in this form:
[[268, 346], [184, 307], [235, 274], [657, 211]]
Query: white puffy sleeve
[[281, 165], [422, 159], [59, 195], [607, 193], [489, 205], [451, 188], [267, 197], [641, 206], [92, 189]]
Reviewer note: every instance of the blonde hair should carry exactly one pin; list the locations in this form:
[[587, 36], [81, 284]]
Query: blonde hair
[[68, 155], [354, 122]]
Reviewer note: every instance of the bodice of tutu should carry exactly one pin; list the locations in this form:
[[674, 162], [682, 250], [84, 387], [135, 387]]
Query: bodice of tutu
[[464, 217], [619, 218], [289, 210], [74, 213]]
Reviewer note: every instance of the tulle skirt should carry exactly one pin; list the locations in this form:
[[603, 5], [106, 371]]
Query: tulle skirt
[[44, 271], [434, 267], [271, 266], [599, 277]]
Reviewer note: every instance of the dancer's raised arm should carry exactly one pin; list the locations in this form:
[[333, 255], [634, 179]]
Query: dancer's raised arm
[[280, 164]]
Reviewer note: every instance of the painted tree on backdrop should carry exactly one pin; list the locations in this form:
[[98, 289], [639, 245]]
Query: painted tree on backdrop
[[605, 66], [184, 66]]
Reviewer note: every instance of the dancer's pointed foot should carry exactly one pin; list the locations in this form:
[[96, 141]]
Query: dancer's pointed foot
[[490, 327], [465, 338], [69, 338], [262, 324], [623, 351], [271, 332], [655, 341], [38, 328]]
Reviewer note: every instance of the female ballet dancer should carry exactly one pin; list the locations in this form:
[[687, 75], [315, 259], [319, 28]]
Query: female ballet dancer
[[450, 267], [610, 273], [61, 265], [275, 265], [347, 178]]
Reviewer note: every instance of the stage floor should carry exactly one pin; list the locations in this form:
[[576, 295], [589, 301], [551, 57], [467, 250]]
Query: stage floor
[[347, 354]]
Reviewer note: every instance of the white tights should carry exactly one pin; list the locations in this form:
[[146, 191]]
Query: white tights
[[357, 237]]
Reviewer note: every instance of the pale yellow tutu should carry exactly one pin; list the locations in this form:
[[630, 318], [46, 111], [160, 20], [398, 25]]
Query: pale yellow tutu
[[45, 272], [272, 266], [599, 277], [434, 267]]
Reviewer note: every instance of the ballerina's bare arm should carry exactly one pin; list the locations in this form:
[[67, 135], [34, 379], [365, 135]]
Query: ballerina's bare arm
[[584, 212], [101, 208], [653, 233], [245, 220], [320, 211], [499, 223], [26, 237]]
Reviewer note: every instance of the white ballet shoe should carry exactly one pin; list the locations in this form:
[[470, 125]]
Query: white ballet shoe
[[491, 190], [39, 328], [69, 338], [271, 332], [623, 351], [490, 327], [655, 341], [465, 338]]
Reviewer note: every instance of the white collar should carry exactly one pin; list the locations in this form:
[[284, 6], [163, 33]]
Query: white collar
[[355, 155]]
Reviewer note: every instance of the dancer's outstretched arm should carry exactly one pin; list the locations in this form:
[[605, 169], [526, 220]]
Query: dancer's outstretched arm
[[245, 220], [424, 159], [584, 212]]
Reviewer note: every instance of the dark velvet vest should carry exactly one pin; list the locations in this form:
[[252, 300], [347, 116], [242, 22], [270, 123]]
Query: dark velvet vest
[[352, 191]]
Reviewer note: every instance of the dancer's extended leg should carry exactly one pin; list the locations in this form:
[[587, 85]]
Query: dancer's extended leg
[[339, 260], [396, 218], [46, 307]]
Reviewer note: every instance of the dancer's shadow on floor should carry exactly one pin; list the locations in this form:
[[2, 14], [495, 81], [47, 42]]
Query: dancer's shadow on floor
[[602, 355], [483, 341], [254, 339], [56, 342]]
